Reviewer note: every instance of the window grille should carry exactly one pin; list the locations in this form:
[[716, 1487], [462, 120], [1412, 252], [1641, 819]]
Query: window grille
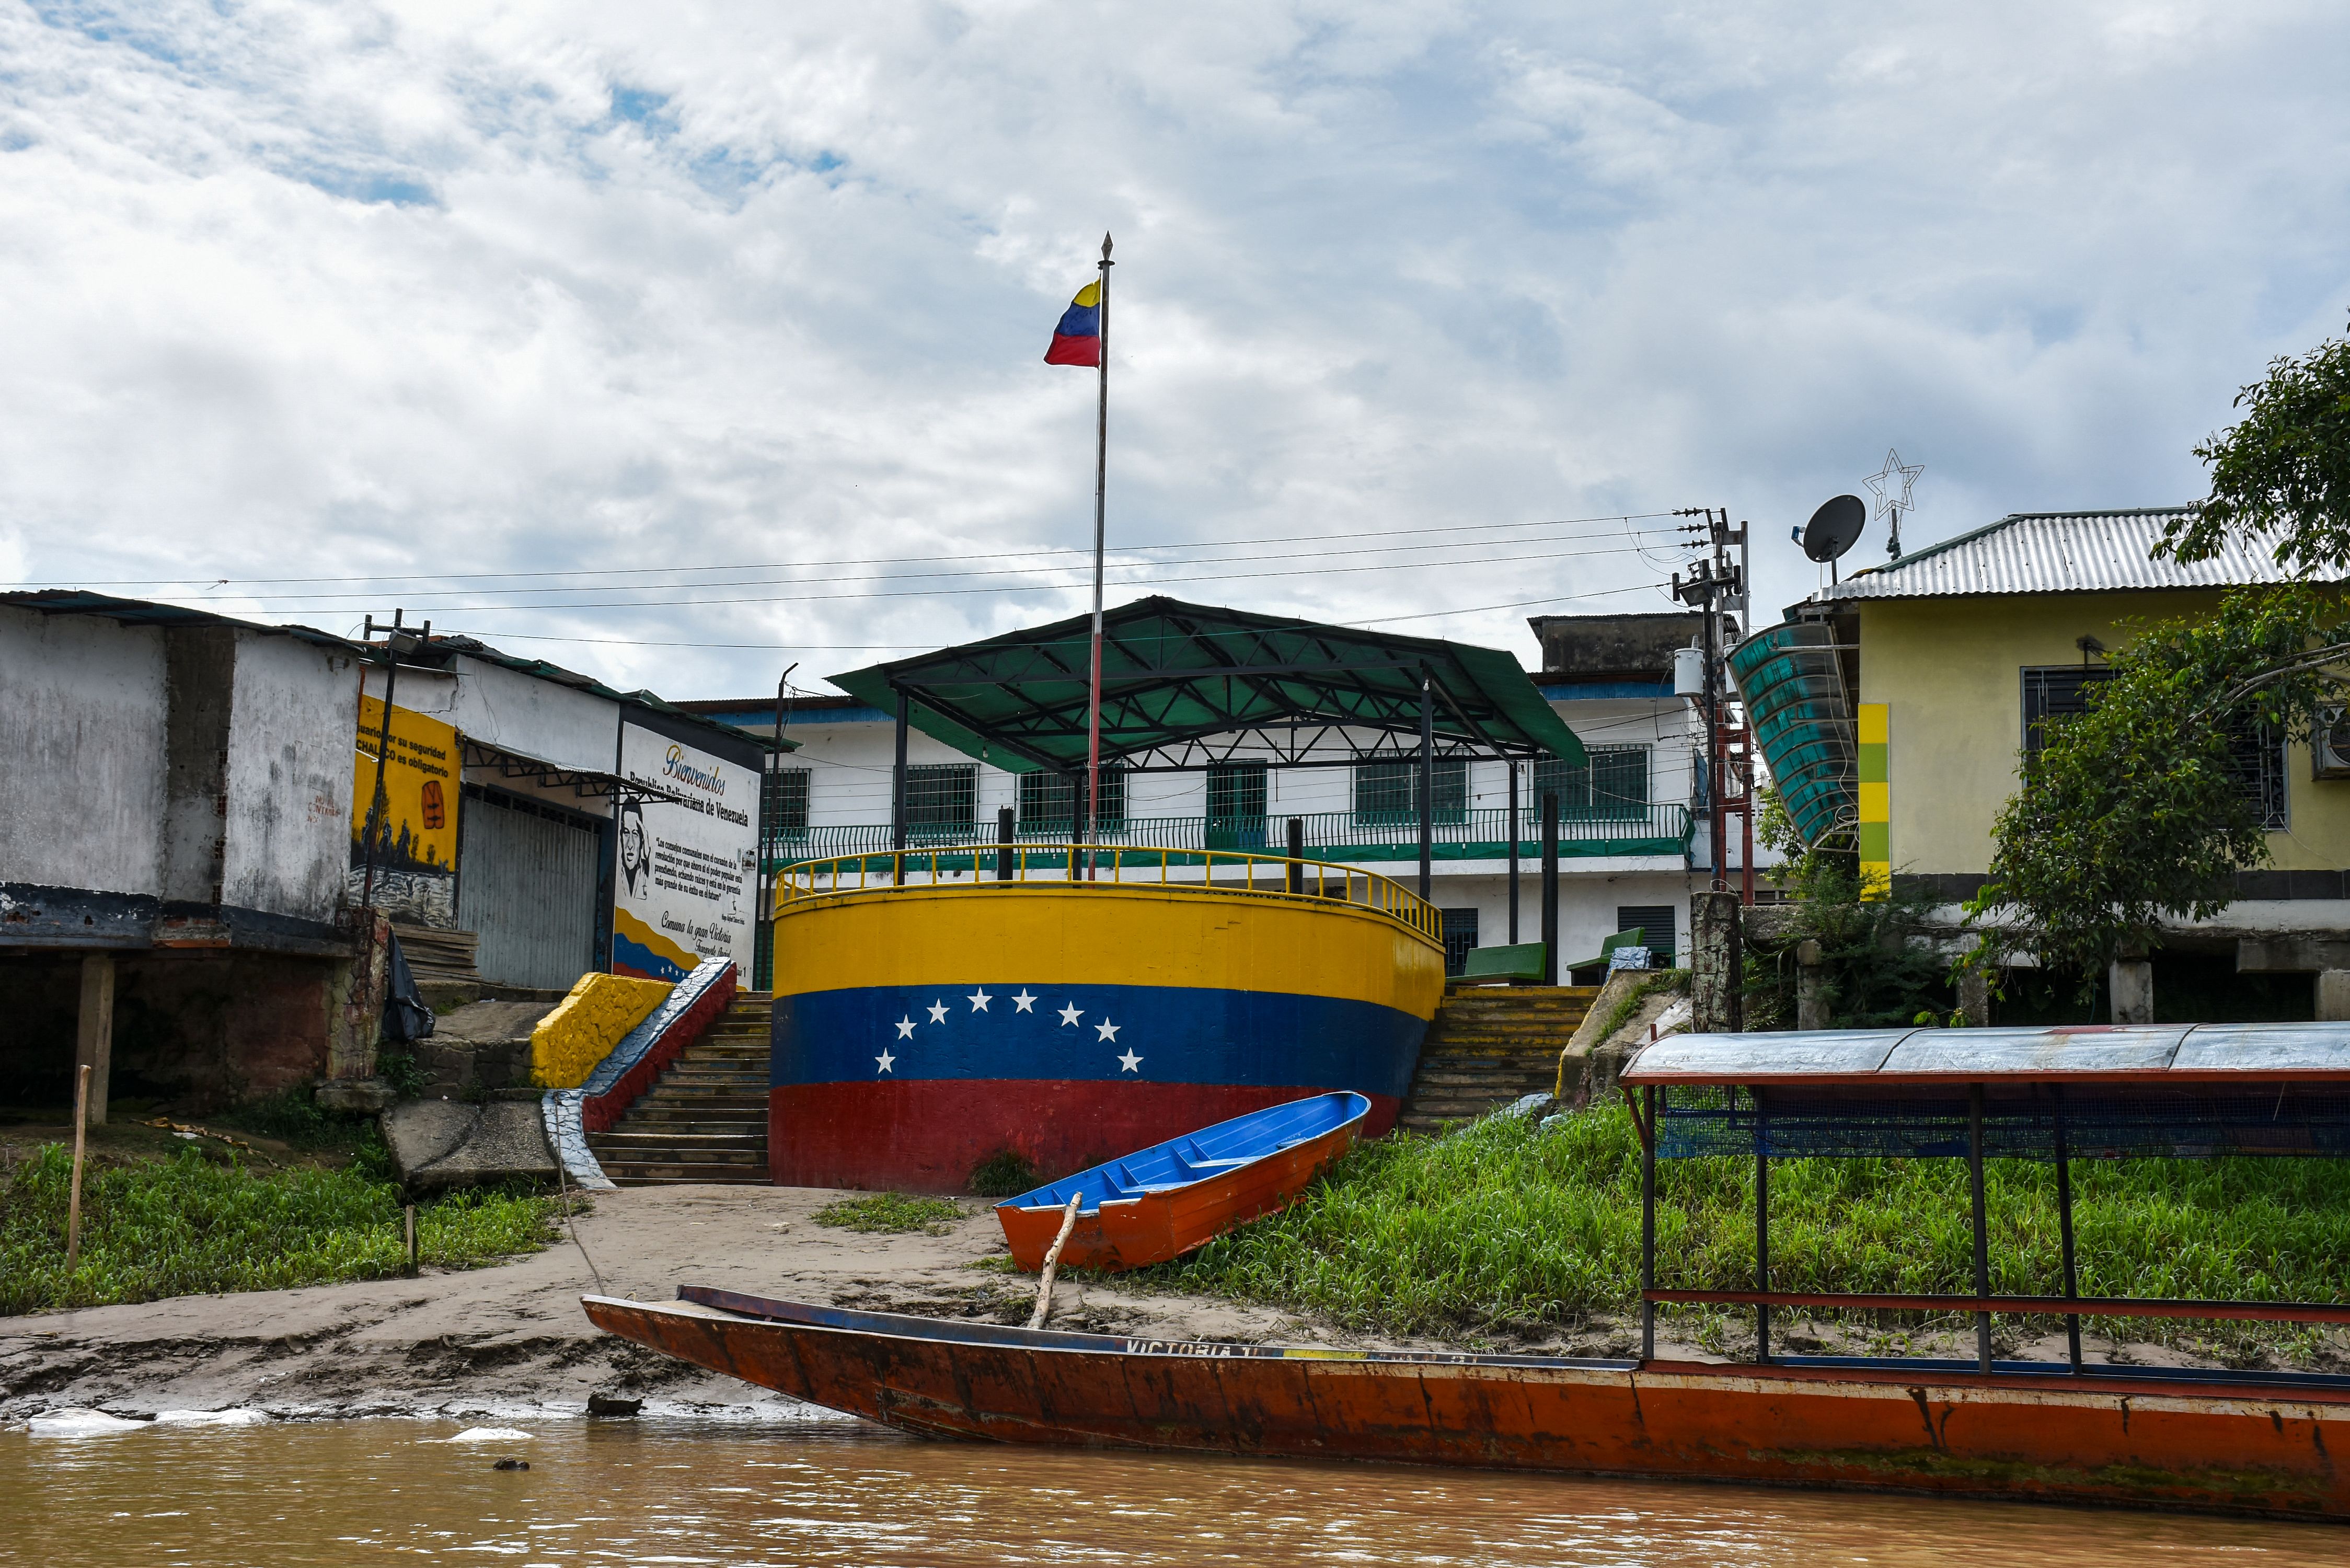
[[1460, 939], [1613, 787], [784, 806], [1388, 794], [2257, 757], [1049, 801], [941, 797]]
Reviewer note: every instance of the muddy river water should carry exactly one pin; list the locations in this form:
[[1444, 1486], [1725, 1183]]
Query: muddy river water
[[691, 1493]]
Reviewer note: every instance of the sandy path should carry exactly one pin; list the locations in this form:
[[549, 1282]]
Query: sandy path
[[512, 1337]]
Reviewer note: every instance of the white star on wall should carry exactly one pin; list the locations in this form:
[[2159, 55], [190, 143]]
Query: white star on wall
[[905, 1027], [1108, 1031], [938, 1012], [884, 1060], [1023, 1002], [1130, 1062], [1070, 1014], [979, 1000]]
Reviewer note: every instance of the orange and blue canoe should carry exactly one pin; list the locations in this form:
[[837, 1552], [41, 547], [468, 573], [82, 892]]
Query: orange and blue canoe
[[1164, 1200]]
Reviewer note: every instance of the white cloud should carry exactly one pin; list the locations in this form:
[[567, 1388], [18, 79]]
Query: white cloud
[[322, 291]]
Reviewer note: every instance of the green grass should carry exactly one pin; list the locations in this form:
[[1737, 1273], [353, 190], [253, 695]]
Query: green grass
[[195, 1223], [1505, 1227], [891, 1213]]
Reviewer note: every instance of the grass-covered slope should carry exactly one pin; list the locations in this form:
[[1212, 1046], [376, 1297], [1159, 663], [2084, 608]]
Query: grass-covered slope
[[1503, 1227], [195, 1223]]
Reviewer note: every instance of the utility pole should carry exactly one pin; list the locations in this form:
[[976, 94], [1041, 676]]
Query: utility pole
[[1712, 581], [397, 639]]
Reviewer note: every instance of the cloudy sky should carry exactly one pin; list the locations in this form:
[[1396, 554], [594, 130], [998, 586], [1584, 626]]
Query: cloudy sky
[[678, 343]]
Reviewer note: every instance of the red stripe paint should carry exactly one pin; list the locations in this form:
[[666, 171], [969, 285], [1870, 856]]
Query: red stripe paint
[[601, 1113], [925, 1135], [1067, 350]]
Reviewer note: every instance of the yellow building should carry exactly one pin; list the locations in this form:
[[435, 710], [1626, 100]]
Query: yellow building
[[1894, 708]]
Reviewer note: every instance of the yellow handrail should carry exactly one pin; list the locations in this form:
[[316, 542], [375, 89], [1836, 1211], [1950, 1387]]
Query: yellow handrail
[[1073, 864]]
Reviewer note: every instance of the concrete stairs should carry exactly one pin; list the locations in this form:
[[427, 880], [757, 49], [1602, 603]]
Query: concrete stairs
[[1489, 1045], [706, 1119]]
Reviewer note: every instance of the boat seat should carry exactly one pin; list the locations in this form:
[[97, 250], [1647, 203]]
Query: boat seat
[[1214, 1164]]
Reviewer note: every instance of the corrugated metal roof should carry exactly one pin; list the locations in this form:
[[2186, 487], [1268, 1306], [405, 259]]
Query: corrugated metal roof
[[1885, 1059], [2059, 553]]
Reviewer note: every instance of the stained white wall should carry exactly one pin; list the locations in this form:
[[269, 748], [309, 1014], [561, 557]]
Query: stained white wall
[[290, 754], [542, 719], [81, 752]]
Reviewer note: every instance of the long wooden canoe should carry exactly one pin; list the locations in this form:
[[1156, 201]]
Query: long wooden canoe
[[2213, 1442], [1163, 1201]]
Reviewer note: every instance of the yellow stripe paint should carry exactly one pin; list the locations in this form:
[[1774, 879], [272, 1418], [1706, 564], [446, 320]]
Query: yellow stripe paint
[[1875, 723], [1053, 934]]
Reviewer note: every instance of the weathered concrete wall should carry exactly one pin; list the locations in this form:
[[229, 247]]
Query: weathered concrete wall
[[540, 718], [289, 755], [199, 695], [81, 752]]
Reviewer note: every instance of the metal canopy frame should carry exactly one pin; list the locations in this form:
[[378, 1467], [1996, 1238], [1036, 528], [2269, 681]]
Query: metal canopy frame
[[586, 783], [1187, 687]]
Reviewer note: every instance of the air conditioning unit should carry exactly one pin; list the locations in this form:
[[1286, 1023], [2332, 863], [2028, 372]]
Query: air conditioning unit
[[2329, 747]]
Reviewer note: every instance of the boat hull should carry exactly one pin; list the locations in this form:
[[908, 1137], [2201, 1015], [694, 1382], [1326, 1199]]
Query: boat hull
[[2237, 1449], [1163, 1225]]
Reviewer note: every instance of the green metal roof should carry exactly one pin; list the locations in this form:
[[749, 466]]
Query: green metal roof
[[1790, 679], [1186, 686]]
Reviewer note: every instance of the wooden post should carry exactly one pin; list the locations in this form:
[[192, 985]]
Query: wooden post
[[73, 1200], [1053, 1264], [94, 1031], [1982, 1224], [408, 1224]]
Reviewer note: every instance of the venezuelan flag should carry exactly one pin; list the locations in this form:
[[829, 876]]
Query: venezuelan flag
[[1078, 339]]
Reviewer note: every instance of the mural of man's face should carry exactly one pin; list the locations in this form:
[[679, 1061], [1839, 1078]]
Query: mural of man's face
[[632, 842]]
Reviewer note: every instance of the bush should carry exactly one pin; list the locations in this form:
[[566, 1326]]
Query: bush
[[1004, 1174]]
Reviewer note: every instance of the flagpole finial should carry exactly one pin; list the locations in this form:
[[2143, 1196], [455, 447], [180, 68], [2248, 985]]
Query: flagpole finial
[[1104, 248]]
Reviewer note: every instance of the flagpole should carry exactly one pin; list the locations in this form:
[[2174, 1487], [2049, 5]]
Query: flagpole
[[1101, 483]]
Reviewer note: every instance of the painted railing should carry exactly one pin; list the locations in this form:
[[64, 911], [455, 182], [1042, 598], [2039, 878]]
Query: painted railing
[[1170, 867], [1478, 834]]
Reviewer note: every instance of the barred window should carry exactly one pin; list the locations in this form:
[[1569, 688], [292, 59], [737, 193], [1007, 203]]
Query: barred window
[[2256, 753], [784, 806], [1388, 794], [1049, 801], [1460, 939], [1614, 785], [941, 797]]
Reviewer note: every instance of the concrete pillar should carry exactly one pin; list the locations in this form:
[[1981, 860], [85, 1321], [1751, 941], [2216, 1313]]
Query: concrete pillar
[[2131, 983], [1717, 964], [94, 1032], [1810, 987], [1974, 998], [2333, 995]]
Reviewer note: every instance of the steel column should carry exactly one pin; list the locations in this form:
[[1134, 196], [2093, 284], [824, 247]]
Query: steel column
[[2064, 1239], [1649, 1227], [1427, 783], [1550, 886], [1515, 828], [1982, 1223], [1296, 855], [1762, 1229], [1005, 833], [898, 823]]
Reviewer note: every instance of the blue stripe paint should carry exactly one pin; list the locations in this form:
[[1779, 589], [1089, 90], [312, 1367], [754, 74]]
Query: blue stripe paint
[[1080, 321], [643, 959], [1182, 1034]]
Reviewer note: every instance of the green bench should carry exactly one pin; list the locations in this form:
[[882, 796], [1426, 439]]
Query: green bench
[[1638, 937], [1519, 965]]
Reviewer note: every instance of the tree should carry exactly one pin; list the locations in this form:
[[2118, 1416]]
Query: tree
[[2281, 476], [2137, 809]]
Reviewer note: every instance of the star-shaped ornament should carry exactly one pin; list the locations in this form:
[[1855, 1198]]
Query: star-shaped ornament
[[1130, 1062], [1023, 1002], [1108, 1031], [1070, 1014], [979, 1000], [885, 1060], [938, 1012], [905, 1027]]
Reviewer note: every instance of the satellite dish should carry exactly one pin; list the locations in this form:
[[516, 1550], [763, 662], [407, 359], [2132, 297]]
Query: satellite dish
[[1835, 527]]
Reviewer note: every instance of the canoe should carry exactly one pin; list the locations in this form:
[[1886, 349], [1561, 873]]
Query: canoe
[[1166, 1199], [2232, 1443]]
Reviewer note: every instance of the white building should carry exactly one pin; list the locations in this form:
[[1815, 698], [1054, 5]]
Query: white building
[[1628, 830]]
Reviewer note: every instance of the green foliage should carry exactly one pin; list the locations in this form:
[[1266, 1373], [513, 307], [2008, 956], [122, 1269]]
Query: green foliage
[[2133, 810], [400, 1069], [1874, 971], [196, 1224], [891, 1213], [1507, 1226], [1004, 1174], [2282, 475], [296, 1117], [1663, 980]]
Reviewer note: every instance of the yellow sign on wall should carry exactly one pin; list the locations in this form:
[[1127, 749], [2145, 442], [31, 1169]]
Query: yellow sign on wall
[[416, 824]]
